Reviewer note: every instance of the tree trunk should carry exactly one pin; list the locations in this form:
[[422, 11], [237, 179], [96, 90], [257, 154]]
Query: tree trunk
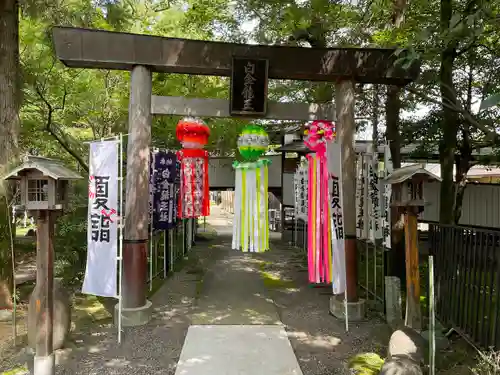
[[447, 149], [462, 165], [395, 258], [463, 160], [460, 193], [9, 129]]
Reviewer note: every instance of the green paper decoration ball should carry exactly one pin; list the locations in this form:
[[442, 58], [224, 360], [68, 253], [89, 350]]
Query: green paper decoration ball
[[253, 142]]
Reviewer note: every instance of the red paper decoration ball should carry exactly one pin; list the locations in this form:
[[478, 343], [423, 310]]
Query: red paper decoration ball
[[192, 132]]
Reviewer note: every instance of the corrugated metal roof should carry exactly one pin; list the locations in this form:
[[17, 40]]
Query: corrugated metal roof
[[49, 167], [475, 171], [401, 174]]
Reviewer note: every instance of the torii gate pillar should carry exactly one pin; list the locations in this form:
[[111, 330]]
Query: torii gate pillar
[[136, 308], [344, 104]]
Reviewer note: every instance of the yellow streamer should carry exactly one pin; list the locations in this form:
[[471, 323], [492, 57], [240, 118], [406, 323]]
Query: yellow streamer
[[259, 221], [313, 203], [243, 210], [266, 197]]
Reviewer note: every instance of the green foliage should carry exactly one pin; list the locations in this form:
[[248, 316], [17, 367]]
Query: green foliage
[[71, 238], [366, 363], [63, 107]]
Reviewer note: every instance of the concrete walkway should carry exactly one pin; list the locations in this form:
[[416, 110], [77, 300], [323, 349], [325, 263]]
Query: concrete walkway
[[233, 292], [237, 349], [235, 326]]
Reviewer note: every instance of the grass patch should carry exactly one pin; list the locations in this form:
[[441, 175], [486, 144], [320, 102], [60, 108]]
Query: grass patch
[[22, 231], [273, 281], [366, 363], [17, 370], [91, 308]]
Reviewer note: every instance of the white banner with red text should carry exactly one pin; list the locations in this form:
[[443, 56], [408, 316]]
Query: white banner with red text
[[102, 227], [334, 157]]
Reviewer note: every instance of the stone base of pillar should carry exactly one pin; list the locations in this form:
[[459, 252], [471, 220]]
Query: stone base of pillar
[[6, 315], [355, 310], [133, 317], [44, 365], [393, 309]]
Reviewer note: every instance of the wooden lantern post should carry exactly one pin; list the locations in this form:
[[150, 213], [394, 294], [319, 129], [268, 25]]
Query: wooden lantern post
[[43, 185], [409, 201]]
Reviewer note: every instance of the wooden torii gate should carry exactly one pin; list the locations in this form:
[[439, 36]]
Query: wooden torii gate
[[142, 55]]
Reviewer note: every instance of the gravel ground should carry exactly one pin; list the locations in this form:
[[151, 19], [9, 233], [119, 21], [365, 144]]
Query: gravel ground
[[319, 340], [152, 349]]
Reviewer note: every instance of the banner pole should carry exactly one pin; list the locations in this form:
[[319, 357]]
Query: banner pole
[[295, 231], [151, 254], [166, 242], [120, 241], [151, 217], [173, 234], [346, 310], [432, 319]]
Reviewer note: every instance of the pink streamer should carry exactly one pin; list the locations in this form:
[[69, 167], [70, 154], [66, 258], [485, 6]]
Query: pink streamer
[[310, 221], [319, 268], [326, 221], [318, 220]]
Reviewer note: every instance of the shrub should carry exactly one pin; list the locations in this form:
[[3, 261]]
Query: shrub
[[488, 364]]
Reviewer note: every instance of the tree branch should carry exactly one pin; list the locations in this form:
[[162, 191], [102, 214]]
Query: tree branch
[[49, 127], [459, 109]]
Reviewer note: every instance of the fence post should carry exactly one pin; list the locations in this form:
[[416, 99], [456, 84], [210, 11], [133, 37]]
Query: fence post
[[166, 255], [171, 235], [184, 237], [432, 321]]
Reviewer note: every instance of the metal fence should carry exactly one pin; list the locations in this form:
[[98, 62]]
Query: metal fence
[[467, 281], [169, 248], [371, 273]]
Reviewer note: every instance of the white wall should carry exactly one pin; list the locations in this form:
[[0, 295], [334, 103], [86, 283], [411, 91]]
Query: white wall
[[221, 172], [481, 205]]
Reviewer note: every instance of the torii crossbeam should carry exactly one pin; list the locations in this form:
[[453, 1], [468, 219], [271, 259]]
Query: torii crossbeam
[[144, 54]]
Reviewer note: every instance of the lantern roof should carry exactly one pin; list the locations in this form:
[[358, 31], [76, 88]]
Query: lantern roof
[[403, 174], [49, 167]]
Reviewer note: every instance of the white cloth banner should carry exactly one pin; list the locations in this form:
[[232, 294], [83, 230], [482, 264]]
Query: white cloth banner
[[300, 184], [102, 228], [334, 158], [386, 216], [374, 195], [362, 217], [359, 196], [237, 217]]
